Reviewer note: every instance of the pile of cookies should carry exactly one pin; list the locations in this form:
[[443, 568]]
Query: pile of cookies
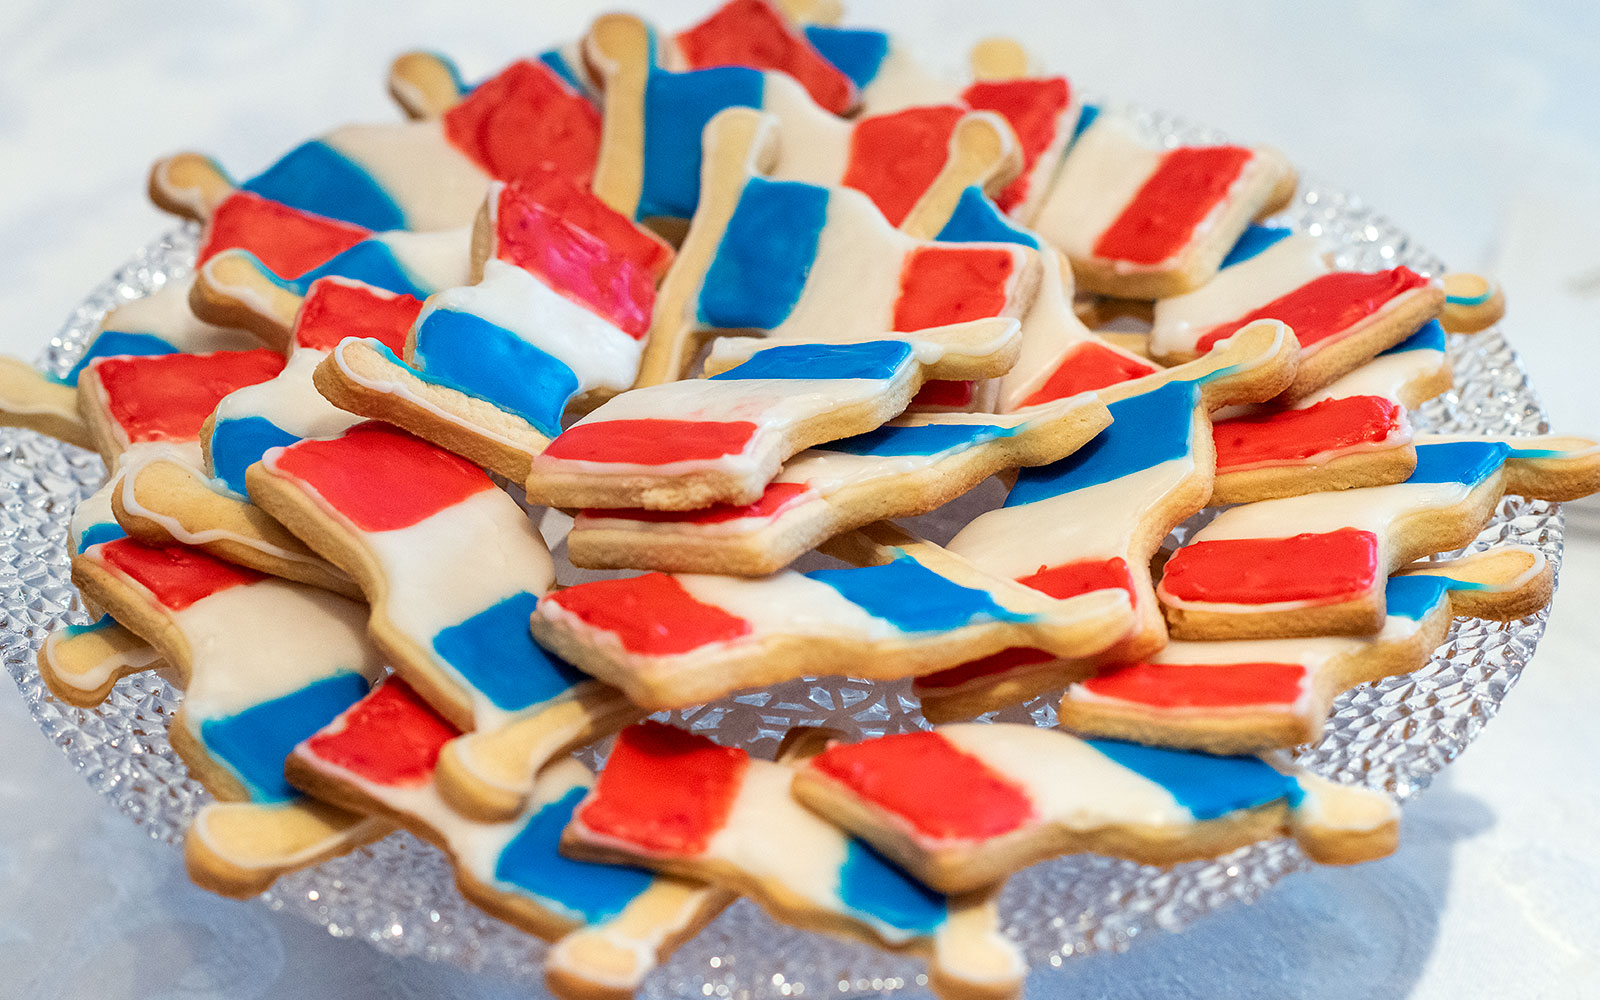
[[728, 296]]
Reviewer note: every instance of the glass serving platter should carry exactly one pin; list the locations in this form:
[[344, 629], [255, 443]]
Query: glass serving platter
[[399, 894]]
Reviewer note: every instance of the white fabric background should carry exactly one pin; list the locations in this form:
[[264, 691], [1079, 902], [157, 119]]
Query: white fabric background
[[1472, 123]]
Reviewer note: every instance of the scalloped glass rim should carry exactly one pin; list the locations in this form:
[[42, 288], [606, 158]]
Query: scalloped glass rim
[[399, 894]]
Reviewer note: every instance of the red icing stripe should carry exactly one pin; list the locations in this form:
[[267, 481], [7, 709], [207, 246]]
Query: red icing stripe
[[922, 778], [989, 666], [895, 158], [390, 737], [177, 576], [752, 33], [1322, 568], [1087, 366], [560, 195], [577, 263], [665, 791], [1289, 436], [951, 393], [381, 478], [1081, 577], [1200, 685], [777, 498], [168, 397], [651, 441], [1033, 108], [952, 284], [1325, 307], [1161, 219], [650, 614], [523, 119], [290, 242], [335, 308]]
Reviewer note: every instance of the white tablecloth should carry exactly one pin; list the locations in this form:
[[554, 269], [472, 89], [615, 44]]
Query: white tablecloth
[[1473, 124]]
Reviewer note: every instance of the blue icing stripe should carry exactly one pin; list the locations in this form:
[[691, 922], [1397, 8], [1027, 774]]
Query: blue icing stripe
[[871, 885], [876, 359], [94, 534], [314, 177], [1466, 462], [558, 63], [371, 261], [1536, 452], [1208, 786], [532, 862], [472, 355], [925, 439], [495, 653], [255, 743], [115, 343], [857, 52], [1430, 337], [1471, 300], [1145, 431], [1085, 118], [979, 220], [913, 598], [1253, 242], [677, 108], [238, 444], [1414, 597], [765, 255], [98, 625]]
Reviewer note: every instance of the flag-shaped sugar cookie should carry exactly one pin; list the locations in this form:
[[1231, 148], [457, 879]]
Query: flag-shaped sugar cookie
[[265, 663], [1356, 432], [164, 400], [165, 501], [681, 804], [452, 568], [907, 608], [420, 175], [967, 805], [235, 287], [908, 466], [426, 84], [1141, 221], [1342, 318], [1250, 695], [611, 924], [721, 439], [756, 34], [556, 321], [797, 261], [1317, 564], [1060, 357], [1090, 523]]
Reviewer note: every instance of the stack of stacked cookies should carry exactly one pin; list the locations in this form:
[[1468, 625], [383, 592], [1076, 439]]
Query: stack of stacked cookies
[[726, 297]]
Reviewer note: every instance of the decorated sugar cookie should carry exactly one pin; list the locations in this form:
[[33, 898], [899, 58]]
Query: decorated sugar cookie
[[721, 439], [1341, 318], [794, 261], [1317, 564], [681, 804], [556, 322], [1246, 696], [264, 663], [1356, 432], [1472, 302], [1139, 221], [610, 924], [165, 501], [908, 466], [421, 175], [452, 568], [1090, 523], [426, 84], [907, 608], [965, 806]]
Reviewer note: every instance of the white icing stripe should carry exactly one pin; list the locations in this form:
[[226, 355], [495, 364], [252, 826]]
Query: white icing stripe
[[1066, 779], [289, 400], [854, 280], [259, 641], [901, 82], [435, 185], [813, 145], [166, 314], [433, 260], [787, 603], [1181, 320], [1103, 172]]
